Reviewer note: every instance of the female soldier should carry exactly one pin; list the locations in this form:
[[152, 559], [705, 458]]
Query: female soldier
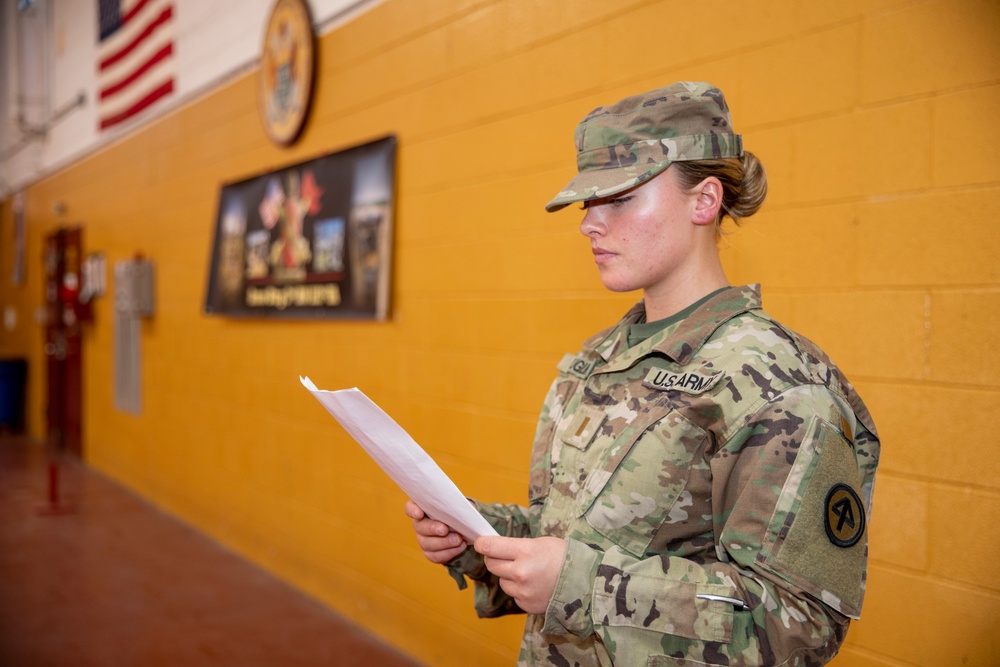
[[701, 475]]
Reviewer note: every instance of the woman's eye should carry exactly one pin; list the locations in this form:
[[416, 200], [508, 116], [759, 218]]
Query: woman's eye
[[617, 201]]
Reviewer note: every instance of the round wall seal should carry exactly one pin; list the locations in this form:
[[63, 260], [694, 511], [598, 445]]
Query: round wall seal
[[287, 71]]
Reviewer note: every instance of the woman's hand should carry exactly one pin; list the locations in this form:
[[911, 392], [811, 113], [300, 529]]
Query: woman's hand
[[437, 540], [528, 568]]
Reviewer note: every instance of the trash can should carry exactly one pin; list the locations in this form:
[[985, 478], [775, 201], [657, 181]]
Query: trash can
[[13, 377]]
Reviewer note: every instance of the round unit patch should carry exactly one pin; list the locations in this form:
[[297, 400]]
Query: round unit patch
[[845, 516]]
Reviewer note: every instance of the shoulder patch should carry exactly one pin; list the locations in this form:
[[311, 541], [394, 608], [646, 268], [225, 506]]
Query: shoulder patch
[[690, 382], [845, 516]]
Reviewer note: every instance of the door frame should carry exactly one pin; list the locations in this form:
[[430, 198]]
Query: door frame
[[65, 314]]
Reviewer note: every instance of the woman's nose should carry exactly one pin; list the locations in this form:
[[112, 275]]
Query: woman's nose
[[592, 225]]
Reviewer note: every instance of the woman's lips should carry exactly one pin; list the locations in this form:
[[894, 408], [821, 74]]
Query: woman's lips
[[601, 255]]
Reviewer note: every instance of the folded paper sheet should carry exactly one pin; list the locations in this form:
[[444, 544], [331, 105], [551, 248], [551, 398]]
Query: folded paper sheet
[[402, 459]]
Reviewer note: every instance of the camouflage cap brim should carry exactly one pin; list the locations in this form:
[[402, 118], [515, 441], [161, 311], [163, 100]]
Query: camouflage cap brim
[[596, 181], [625, 144], [600, 183]]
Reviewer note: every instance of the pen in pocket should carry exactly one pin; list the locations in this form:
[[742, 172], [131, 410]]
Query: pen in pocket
[[736, 602]]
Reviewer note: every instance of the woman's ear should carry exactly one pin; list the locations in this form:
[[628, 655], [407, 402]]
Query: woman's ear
[[708, 200]]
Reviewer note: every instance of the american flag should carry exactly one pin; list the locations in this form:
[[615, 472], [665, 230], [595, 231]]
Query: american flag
[[270, 205], [135, 66]]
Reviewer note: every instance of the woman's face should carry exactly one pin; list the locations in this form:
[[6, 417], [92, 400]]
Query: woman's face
[[642, 238]]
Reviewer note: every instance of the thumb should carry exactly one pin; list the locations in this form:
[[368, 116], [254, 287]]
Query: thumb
[[489, 545]]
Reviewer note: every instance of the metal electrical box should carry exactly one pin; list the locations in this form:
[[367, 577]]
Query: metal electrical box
[[134, 300], [134, 293]]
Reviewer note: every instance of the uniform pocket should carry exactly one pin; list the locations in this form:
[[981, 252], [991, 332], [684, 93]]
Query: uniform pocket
[[541, 453], [681, 611], [639, 484]]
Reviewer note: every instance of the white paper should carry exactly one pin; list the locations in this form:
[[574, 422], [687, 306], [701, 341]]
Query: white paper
[[402, 459]]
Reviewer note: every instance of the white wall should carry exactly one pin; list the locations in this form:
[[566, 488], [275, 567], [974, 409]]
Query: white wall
[[214, 41]]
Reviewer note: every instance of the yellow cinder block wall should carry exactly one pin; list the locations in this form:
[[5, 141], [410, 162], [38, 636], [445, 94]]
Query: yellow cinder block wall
[[877, 122]]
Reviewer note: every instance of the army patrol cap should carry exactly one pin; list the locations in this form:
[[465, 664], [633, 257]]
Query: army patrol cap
[[625, 144]]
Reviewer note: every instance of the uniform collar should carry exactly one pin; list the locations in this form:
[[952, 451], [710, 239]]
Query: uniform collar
[[680, 342]]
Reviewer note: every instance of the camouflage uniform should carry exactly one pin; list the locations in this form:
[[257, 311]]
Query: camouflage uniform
[[713, 483]]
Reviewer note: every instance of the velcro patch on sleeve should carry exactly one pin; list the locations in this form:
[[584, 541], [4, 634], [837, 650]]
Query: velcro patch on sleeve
[[817, 536]]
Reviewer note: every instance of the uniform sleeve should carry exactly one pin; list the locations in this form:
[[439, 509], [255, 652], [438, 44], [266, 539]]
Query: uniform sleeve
[[791, 495], [490, 600], [515, 520]]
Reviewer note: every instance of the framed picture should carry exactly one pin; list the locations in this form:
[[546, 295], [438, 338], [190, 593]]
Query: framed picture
[[309, 240]]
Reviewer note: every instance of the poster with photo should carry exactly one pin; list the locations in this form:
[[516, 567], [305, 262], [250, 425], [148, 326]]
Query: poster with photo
[[309, 240]]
